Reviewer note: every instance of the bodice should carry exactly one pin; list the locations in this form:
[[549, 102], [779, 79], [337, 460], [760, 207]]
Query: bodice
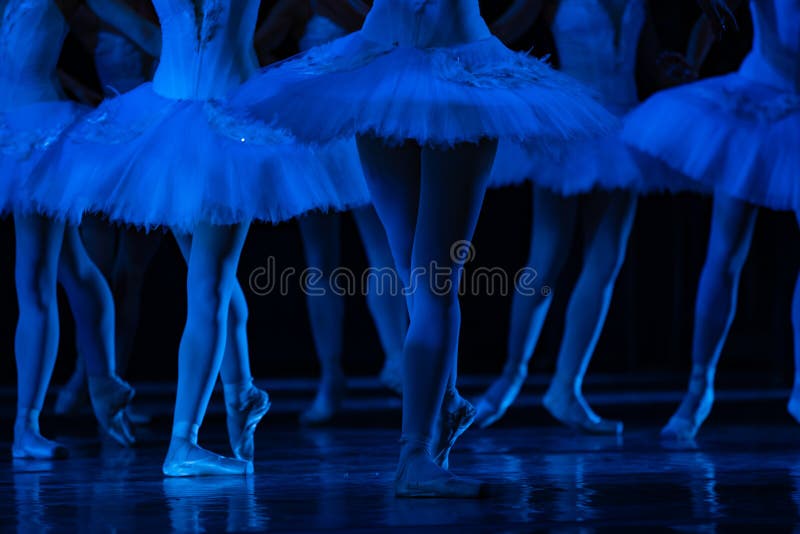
[[599, 52], [32, 33], [207, 47], [775, 57], [425, 23]]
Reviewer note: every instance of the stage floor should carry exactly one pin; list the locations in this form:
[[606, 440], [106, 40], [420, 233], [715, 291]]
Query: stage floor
[[744, 471]]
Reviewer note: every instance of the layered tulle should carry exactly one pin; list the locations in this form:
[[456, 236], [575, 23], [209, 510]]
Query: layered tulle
[[25, 134], [605, 163], [731, 134], [439, 96], [147, 160]]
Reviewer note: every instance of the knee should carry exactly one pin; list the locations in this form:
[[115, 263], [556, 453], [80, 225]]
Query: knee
[[36, 287], [36, 293], [208, 302]]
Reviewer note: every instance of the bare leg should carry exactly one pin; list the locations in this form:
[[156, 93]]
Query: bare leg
[[552, 232], [587, 312], [732, 226], [93, 309], [321, 237], [245, 404], [211, 280], [38, 245], [388, 307], [451, 185], [101, 241]]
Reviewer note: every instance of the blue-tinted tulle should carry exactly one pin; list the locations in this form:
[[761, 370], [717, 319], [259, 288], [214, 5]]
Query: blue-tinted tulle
[[605, 163], [440, 96], [146, 160], [584, 166], [729, 134], [25, 134]]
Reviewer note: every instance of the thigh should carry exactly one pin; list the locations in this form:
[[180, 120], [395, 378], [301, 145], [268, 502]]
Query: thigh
[[214, 258], [453, 187], [393, 178]]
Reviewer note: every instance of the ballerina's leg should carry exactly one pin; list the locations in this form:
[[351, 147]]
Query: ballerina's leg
[[552, 230], [611, 219], [386, 303], [450, 186], [321, 244], [245, 404], [732, 224], [211, 279], [93, 309], [38, 245], [101, 242]]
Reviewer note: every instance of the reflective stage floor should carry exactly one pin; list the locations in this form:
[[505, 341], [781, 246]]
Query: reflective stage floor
[[743, 471]]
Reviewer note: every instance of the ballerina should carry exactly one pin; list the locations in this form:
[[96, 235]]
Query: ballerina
[[427, 92], [166, 154], [321, 235], [737, 134], [120, 65], [121, 254], [34, 114], [600, 43]]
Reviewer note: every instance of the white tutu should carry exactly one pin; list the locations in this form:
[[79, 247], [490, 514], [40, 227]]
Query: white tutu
[[730, 134], [436, 96], [147, 160], [25, 134]]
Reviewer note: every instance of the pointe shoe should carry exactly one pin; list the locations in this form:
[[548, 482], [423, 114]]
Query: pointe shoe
[[30, 445], [242, 422], [455, 418], [187, 459], [573, 411], [689, 417], [493, 404], [392, 374], [422, 478], [110, 398], [328, 401]]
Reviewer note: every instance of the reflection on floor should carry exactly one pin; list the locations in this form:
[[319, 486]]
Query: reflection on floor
[[745, 472]]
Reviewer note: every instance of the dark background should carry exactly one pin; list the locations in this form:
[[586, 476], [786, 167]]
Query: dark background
[[649, 327]]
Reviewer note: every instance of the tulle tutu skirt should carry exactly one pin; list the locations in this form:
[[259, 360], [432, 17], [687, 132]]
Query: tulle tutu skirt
[[146, 160], [437, 96], [730, 134], [605, 163], [25, 135]]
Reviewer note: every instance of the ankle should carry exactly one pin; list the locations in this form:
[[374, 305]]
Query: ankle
[[701, 379], [514, 369], [333, 376], [414, 447], [185, 432], [236, 394], [27, 420], [562, 388]]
